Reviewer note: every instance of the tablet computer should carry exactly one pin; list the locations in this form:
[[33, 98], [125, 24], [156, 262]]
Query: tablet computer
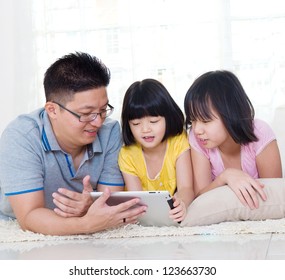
[[158, 205]]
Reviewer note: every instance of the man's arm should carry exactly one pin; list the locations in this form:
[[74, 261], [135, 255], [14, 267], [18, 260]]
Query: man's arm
[[74, 204], [31, 215]]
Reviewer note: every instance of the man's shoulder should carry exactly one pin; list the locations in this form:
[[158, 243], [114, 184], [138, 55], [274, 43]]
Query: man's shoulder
[[25, 123], [110, 122], [109, 132], [108, 126]]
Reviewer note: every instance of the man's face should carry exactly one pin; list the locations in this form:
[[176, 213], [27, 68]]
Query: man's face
[[70, 132]]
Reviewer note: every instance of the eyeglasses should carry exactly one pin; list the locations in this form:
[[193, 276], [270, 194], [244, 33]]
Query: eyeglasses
[[89, 117]]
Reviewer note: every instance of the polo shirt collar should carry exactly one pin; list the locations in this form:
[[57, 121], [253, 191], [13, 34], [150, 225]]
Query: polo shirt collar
[[49, 141]]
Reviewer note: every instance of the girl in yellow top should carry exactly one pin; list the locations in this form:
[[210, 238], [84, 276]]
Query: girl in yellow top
[[156, 153]]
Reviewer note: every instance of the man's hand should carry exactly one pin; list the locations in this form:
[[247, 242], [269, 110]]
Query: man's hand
[[101, 216], [73, 204]]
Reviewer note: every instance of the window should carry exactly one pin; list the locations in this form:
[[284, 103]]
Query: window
[[172, 41]]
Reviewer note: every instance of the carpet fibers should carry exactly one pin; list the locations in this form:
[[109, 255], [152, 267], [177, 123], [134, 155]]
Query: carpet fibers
[[10, 231]]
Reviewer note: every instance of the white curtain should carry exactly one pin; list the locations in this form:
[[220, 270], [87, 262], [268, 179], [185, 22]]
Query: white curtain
[[18, 67], [173, 41]]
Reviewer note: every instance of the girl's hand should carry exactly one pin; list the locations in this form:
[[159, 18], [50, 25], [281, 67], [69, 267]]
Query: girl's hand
[[178, 213], [244, 186]]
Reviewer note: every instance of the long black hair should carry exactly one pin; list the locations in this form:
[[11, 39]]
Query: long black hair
[[222, 91]]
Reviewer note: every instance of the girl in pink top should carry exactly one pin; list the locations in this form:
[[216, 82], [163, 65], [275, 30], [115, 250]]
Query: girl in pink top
[[228, 146]]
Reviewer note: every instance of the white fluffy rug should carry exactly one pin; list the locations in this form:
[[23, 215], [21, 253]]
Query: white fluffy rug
[[10, 231]]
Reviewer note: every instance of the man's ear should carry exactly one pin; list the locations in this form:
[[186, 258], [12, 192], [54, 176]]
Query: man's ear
[[51, 109]]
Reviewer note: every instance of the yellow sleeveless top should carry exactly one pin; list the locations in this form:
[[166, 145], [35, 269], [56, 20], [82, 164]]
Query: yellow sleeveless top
[[131, 161]]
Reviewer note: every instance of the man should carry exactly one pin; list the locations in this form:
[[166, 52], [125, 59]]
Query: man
[[49, 159]]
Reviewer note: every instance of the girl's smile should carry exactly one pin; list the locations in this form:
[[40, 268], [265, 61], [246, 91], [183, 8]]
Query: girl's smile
[[148, 138], [203, 141], [148, 131]]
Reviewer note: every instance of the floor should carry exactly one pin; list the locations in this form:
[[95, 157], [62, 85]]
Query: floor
[[199, 247]]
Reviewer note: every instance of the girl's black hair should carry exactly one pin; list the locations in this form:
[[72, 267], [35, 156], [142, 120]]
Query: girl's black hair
[[223, 91], [150, 98]]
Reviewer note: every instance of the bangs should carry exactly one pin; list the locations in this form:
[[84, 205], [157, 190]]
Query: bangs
[[201, 109], [142, 108]]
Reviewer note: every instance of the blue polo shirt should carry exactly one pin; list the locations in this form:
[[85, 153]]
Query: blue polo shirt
[[31, 160]]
